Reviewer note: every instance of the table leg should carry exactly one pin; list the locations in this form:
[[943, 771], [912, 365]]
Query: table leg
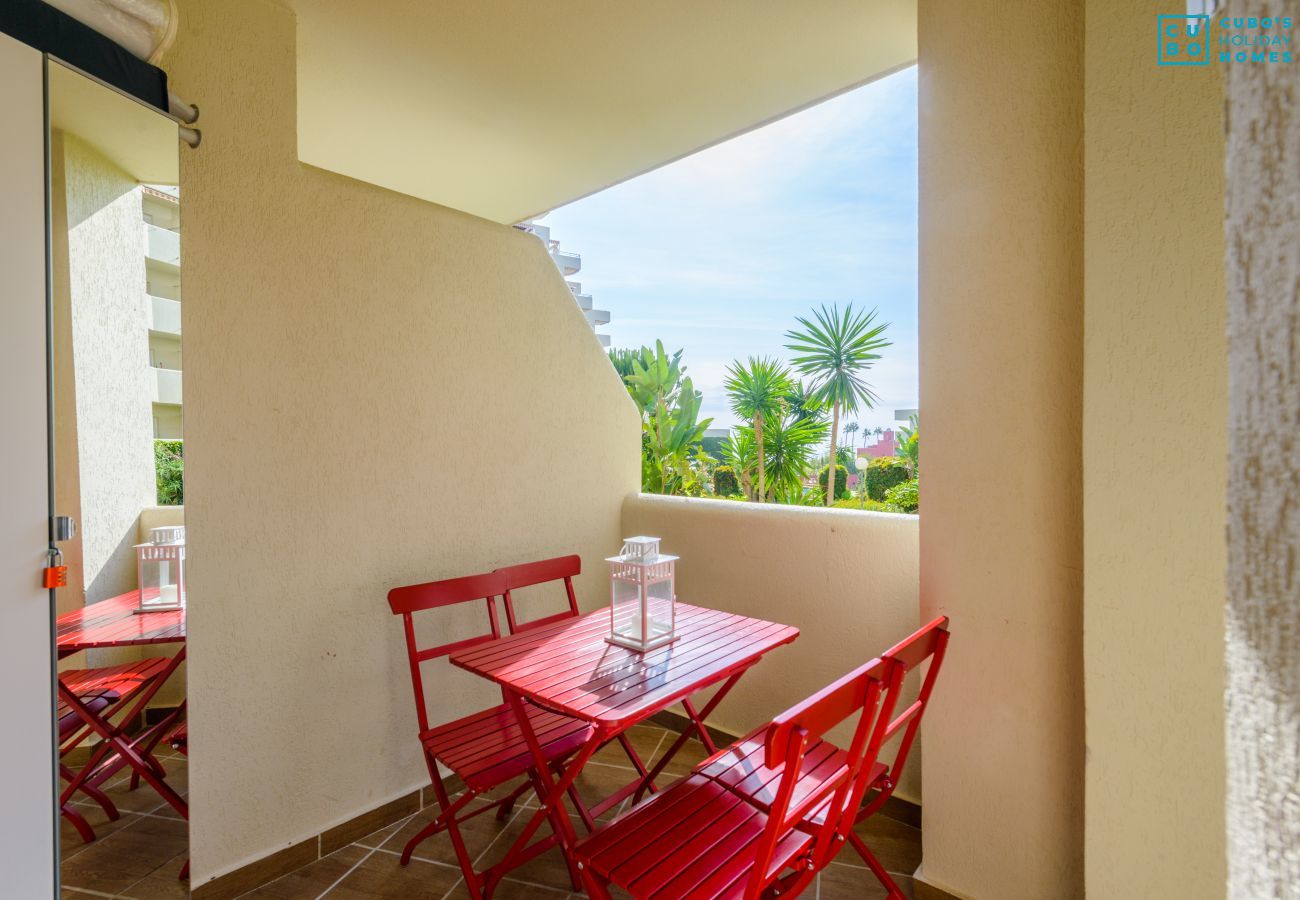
[[552, 802], [696, 725], [114, 740]]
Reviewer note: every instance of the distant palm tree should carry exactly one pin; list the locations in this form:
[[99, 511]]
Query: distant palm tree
[[834, 351], [757, 391], [850, 430]]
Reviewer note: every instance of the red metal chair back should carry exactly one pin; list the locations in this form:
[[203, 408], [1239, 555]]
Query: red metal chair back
[[928, 642], [793, 733], [528, 574], [414, 598]]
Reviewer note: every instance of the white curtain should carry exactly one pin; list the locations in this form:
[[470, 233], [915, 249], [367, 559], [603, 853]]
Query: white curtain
[[145, 28]]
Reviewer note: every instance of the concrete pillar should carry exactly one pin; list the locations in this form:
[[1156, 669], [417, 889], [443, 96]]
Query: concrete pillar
[[1263, 627], [1155, 463], [1001, 319]]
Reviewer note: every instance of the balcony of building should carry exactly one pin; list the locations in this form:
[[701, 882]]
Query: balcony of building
[[420, 363], [569, 263], [162, 245], [164, 315], [166, 384]]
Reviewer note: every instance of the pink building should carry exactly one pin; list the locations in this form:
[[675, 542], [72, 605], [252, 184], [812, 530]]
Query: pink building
[[885, 445]]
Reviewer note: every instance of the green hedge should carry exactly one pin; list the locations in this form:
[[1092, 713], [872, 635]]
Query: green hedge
[[882, 474], [867, 505], [905, 496], [841, 481], [169, 472], [725, 483]]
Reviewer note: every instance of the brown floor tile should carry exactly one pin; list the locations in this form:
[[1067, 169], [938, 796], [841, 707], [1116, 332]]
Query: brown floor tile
[[548, 869], [897, 846], [379, 875], [841, 882], [144, 798], [479, 833], [312, 880], [114, 863], [70, 842], [164, 883]]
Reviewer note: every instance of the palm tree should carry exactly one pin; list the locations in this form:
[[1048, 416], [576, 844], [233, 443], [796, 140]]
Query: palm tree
[[738, 452], [792, 453], [803, 405], [850, 430], [834, 351], [757, 391]]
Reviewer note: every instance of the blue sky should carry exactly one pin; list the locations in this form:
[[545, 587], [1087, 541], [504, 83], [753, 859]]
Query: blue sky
[[717, 253]]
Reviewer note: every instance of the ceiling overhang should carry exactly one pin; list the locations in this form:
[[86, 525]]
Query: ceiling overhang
[[509, 108]]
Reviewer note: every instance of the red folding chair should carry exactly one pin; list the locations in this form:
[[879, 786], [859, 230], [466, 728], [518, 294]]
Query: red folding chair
[[740, 768], [565, 569], [486, 749], [100, 692], [698, 839]]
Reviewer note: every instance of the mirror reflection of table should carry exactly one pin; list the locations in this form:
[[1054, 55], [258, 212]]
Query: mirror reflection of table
[[115, 622]]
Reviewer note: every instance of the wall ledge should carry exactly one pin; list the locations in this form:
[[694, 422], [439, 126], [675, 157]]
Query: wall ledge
[[703, 505]]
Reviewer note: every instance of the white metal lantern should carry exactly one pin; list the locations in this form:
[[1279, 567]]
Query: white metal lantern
[[160, 569], [642, 596]]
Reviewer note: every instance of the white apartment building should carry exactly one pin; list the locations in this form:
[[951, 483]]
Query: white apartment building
[[161, 212], [570, 263]]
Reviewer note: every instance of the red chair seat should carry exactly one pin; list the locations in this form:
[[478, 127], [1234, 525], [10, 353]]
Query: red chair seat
[[124, 679], [488, 747], [69, 721], [695, 839], [740, 768], [105, 686]]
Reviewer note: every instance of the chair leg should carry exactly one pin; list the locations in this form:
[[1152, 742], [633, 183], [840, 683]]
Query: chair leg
[[508, 804], [877, 869], [473, 882], [93, 793], [78, 822], [185, 871], [427, 831]]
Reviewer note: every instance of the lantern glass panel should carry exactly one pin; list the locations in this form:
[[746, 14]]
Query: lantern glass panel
[[642, 597], [160, 572]]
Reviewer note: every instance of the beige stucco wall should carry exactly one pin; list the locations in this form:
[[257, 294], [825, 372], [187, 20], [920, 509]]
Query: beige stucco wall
[[103, 426], [1155, 407], [1001, 318], [847, 580], [1263, 240], [377, 391]]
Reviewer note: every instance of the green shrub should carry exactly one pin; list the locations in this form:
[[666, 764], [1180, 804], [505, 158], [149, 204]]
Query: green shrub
[[169, 472], [725, 482], [867, 505], [905, 496], [882, 474], [841, 481]]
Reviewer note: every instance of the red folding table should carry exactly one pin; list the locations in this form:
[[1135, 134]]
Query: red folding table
[[570, 668], [114, 623]]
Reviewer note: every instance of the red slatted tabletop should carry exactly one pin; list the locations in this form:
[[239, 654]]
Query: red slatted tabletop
[[114, 623], [570, 668]]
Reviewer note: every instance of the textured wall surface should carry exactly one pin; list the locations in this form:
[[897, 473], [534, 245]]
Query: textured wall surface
[[110, 365], [847, 580], [1154, 463], [378, 391], [1001, 318], [1263, 234]]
